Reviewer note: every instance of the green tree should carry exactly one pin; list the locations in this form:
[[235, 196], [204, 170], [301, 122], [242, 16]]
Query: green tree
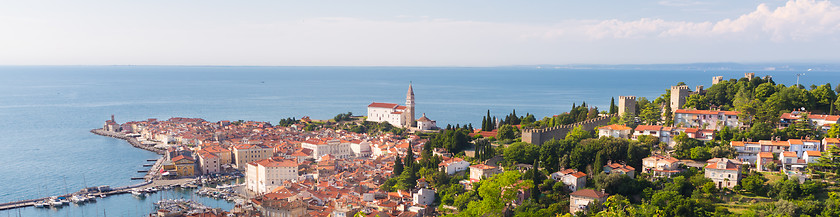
[[506, 132], [700, 153], [398, 167], [496, 193], [834, 132], [521, 152], [577, 134], [697, 101], [754, 183], [613, 107]]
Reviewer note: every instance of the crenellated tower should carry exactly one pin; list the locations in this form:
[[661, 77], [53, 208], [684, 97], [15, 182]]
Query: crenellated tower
[[409, 107]]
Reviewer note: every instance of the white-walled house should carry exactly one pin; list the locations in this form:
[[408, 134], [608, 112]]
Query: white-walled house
[[572, 178], [424, 196], [725, 173], [454, 165], [614, 130]]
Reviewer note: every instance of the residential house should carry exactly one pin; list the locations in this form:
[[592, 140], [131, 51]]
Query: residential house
[[706, 119], [615, 130], [830, 142], [821, 122], [790, 161], [424, 196], [454, 165], [747, 151], [658, 165], [725, 173], [482, 170], [581, 200], [620, 169], [572, 178], [812, 156], [762, 160]]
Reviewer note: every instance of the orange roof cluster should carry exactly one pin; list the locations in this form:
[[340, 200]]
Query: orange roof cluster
[[614, 127]]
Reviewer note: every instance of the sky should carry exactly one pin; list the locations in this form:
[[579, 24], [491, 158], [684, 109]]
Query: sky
[[417, 33]]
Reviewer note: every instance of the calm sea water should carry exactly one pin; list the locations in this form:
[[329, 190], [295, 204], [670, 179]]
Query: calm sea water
[[47, 111]]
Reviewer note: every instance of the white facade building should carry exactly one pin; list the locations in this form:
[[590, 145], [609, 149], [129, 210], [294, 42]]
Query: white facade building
[[454, 165], [725, 173], [424, 196], [264, 175], [334, 147], [707, 119], [396, 115], [615, 130], [425, 123]]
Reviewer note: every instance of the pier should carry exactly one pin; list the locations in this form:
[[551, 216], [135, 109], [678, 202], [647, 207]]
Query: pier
[[115, 191], [131, 140], [151, 176]]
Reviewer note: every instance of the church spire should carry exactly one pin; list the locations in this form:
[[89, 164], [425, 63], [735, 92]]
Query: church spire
[[410, 94], [409, 104]]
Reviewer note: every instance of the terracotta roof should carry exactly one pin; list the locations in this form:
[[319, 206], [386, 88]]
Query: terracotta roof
[[789, 154], [765, 155], [617, 166], [275, 163], [424, 118], [383, 105], [832, 140], [648, 128], [730, 164], [483, 166], [615, 127], [813, 153], [578, 174], [589, 193], [181, 157]]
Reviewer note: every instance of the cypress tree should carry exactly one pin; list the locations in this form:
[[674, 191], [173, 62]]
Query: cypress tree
[[535, 191], [613, 108], [493, 125], [398, 167], [573, 106], [409, 158], [484, 123]]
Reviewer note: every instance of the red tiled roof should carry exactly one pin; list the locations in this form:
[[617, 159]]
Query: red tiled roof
[[383, 105], [589, 193], [648, 128], [482, 166], [789, 154], [615, 127], [765, 155], [813, 153], [578, 174]]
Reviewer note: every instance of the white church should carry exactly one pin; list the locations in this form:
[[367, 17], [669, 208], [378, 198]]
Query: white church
[[399, 115]]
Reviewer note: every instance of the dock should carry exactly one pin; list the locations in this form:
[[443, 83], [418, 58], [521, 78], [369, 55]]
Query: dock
[[115, 191]]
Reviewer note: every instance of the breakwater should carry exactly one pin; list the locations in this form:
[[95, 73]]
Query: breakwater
[[131, 140]]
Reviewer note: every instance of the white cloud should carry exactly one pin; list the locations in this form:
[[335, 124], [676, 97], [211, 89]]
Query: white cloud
[[798, 20]]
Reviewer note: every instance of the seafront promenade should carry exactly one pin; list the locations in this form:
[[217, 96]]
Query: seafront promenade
[[152, 177]]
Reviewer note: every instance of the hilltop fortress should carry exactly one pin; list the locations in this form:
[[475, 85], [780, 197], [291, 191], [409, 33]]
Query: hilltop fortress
[[539, 136]]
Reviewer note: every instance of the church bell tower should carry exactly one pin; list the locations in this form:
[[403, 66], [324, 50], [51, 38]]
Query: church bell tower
[[409, 110]]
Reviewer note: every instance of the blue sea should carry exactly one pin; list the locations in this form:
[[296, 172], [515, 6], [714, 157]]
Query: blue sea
[[46, 112]]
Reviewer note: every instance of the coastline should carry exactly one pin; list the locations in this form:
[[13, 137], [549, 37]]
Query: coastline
[[131, 140], [149, 178]]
